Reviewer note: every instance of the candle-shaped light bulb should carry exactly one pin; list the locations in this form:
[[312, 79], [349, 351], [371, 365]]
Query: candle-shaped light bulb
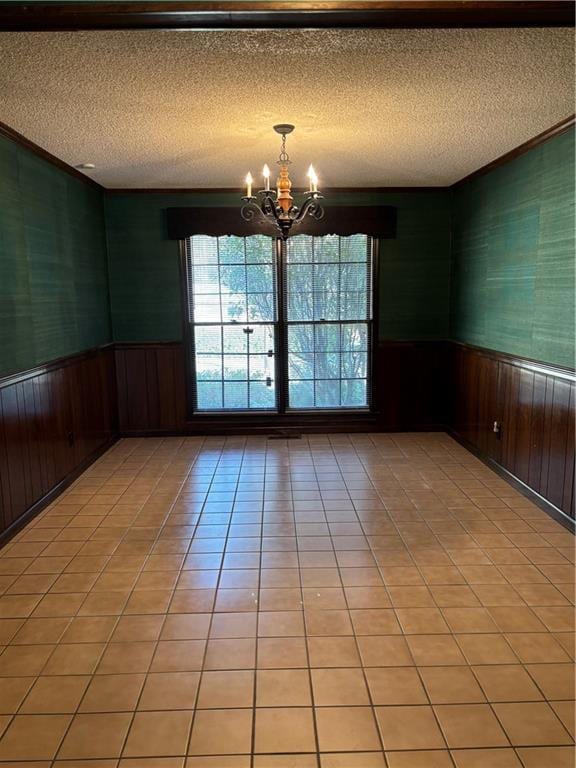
[[266, 174], [249, 181], [313, 179]]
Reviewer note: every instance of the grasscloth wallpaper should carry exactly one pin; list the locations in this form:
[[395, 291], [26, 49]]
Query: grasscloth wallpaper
[[144, 278], [508, 286], [512, 286], [53, 269]]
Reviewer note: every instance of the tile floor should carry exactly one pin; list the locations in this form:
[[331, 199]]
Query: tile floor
[[345, 601]]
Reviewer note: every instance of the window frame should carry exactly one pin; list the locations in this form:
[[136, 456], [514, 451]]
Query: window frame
[[283, 414]]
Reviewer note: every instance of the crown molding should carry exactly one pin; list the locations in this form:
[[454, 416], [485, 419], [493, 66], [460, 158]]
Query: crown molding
[[284, 14], [36, 149], [549, 133]]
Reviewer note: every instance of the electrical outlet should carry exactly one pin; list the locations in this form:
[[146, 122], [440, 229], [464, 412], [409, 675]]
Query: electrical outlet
[[497, 429]]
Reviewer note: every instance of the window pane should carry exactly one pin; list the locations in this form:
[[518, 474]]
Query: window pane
[[236, 395], [261, 395], [301, 394], [208, 367], [208, 339], [232, 280], [300, 365], [209, 395], [328, 289]]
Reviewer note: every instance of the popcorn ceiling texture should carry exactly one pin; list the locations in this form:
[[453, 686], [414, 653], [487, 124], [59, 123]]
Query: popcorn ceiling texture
[[372, 108]]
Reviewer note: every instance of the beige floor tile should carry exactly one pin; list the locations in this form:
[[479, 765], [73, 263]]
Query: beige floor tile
[[221, 761], [352, 760], [237, 653], [536, 647], [74, 659], [409, 728], [437, 758], [395, 685], [565, 712], [282, 652], [125, 658], [55, 695], [226, 690], [178, 656], [33, 737], [285, 761], [470, 725], [169, 690], [112, 693], [21, 660], [95, 736], [531, 724], [415, 562], [158, 733], [90, 629], [332, 652], [421, 621], [482, 758], [284, 730], [486, 649], [435, 650], [13, 690], [222, 731], [284, 688], [556, 681], [551, 757], [346, 729], [375, 622], [40, 631], [339, 687], [451, 685], [507, 683]]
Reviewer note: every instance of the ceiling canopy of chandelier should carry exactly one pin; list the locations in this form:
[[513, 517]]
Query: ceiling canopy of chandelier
[[278, 205]]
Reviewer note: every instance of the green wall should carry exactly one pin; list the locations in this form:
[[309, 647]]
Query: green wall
[[512, 286], [509, 285], [53, 270], [145, 282]]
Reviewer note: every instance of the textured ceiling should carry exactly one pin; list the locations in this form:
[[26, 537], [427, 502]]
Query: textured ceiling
[[371, 108]]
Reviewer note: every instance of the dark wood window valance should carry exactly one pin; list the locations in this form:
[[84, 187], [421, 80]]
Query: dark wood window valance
[[375, 221]]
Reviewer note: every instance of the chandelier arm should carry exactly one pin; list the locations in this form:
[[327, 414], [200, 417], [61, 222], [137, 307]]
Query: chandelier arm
[[249, 211], [311, 207]]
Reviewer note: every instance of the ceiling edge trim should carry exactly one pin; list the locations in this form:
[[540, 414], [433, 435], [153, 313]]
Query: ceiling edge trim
[[554, 130], [282, 14], [36, 149], [549, 133]]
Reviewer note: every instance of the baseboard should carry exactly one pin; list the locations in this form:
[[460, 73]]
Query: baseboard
[[54, 492], [546, 506]]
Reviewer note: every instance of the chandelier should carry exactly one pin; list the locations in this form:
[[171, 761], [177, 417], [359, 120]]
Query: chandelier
[[278, 205]]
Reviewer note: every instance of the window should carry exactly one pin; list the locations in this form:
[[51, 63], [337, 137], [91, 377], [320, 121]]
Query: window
[[260, 311]]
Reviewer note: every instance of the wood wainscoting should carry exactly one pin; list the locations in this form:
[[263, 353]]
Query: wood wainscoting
[[533, 404], [151, 383], [54, 421]]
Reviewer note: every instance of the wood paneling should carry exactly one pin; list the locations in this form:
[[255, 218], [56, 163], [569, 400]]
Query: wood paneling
[[534, 405], [53, 421], [410, 392], [151, 387]]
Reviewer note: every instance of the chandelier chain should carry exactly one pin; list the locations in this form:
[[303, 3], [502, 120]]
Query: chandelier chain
[[284, 157]]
